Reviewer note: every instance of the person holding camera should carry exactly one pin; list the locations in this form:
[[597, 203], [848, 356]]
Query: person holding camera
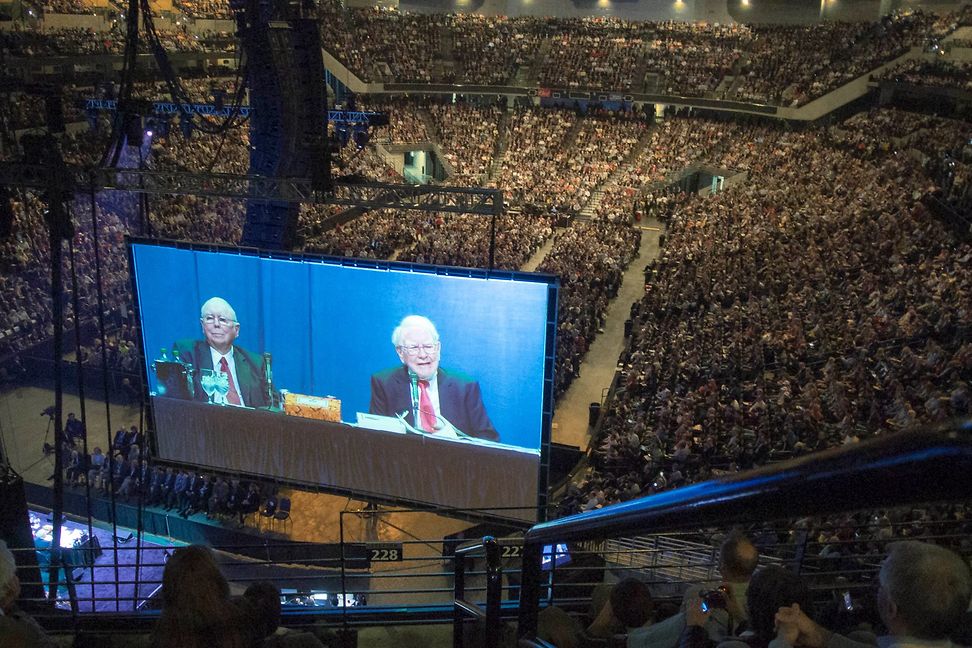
[[770, 589], [725, 600]]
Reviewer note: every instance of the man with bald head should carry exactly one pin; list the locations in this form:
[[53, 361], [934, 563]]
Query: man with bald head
[[220, 328], [420, 386]]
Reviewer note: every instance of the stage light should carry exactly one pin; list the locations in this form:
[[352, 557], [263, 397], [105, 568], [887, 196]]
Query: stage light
[[149, 134]]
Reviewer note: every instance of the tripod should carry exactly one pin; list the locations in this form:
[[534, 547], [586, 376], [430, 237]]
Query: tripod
[[47, 447]]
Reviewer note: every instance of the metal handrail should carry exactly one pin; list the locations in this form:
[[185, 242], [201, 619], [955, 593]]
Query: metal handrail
[[885, 471], [464, 609]]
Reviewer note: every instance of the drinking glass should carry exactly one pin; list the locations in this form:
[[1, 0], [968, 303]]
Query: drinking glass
[[222, 386], [207, 378]]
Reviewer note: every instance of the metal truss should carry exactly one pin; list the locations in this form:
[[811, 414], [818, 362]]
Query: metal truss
[[352, 117], [369, 195]]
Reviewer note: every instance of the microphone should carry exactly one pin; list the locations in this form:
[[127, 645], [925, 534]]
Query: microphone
[[268, 377], [414, 392]]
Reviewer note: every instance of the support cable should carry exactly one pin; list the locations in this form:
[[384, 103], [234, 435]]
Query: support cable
[[84, 418], [104, 378]]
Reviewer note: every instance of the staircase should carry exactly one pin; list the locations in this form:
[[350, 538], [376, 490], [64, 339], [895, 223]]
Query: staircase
[[430, 126], [499, 152], [737, 84], [652, 83], [530, 73], [445, 64], [724, 86], [570, 137], [639, 74], [589, 210], [525, 76]]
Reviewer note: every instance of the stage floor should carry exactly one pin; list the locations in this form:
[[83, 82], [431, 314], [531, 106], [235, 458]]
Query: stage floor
[[109, 585]]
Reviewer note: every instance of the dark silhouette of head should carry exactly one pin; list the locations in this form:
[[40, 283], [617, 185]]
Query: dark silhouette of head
[[770, 589], [737, 558]]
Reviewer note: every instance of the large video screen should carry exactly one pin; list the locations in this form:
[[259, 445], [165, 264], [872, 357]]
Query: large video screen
[[412, 383]]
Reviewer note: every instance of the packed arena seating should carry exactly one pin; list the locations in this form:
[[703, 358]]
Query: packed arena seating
[[469, 135], [764, 64], [68, 7], [453, 240], [218, 9], [550, 163], [615, 55], [773, 324], [818, 303], [406, 123], [74, 41], [941, 73]]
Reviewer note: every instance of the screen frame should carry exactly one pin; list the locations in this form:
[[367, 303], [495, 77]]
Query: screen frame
[[552, 283]]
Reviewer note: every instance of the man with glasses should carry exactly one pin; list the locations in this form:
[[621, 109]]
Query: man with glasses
[[432, 399], [247, 382]]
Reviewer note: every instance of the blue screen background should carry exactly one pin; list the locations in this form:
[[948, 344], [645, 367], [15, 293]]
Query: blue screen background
[[329, 327]]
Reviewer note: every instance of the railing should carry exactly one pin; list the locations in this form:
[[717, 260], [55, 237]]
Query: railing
[[897, 470], [464, 609], [428, 579]]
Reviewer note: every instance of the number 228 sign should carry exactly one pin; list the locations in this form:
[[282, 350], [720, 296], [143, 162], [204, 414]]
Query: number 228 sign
[[385, 552]]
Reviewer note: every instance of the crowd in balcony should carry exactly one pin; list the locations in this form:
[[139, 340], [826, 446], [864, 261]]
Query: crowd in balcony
[[72, 41], [765, 63], [468, 135], [212, 9], [613, 55], [938, 73], [774, 324], [68, 7]]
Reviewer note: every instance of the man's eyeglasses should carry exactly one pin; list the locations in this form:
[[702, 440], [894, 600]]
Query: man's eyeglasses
[[223, 321], [414, 349]]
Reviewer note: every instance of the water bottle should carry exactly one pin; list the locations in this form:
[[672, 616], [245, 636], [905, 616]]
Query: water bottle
[[164, 356]]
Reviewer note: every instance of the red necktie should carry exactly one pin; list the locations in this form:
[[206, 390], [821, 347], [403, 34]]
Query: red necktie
[[232, 395], [426, 410]]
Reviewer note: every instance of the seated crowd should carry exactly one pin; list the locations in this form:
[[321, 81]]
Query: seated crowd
[[774, 325], [761, 63], [128, 473], [615, 55], [937, 73]]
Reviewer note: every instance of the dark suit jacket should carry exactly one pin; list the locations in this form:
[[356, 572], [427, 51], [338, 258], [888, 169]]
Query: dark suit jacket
[[460, 400], [249, 370]]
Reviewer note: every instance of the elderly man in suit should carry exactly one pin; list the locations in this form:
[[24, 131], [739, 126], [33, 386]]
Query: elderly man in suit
[[247, 382], [440, 396]]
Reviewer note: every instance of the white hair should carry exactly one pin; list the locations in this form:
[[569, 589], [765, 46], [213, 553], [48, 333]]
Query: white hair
[[8, 569], [413, 322], [217, 302]]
